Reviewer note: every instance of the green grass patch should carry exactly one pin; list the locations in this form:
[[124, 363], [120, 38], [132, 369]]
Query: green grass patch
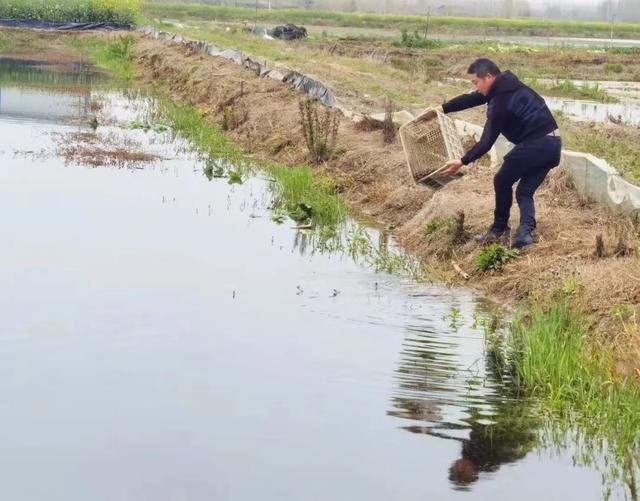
[[115, 56], [551, 361], [434, 226], [80, 11], [208, 139], [307, 197], [299, 193], [568, 88], [622, 154], [416, 40], [381, 256]]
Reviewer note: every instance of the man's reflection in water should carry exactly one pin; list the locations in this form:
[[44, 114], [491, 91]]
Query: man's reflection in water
[[508, 439], [503, 435]]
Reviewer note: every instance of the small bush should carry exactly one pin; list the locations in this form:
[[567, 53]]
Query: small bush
[[320, 133], [494, 257], [459, 235], [416, 41], [232, 118], [402, 63], [121, 49], [368, 124]]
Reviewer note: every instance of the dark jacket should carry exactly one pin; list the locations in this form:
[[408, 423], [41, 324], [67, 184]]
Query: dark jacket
[[515, 110]]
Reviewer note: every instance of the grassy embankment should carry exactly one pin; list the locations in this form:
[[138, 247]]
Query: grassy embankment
[[114, 11], [550, 358], [467, 25], [547, 354], [401, 78], [413, 81], [295, 189]]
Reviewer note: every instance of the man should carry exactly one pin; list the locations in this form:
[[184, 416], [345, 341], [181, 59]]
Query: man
[[522, 116]]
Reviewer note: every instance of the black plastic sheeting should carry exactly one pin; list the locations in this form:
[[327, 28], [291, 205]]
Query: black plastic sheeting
[[289, 32], [298, 81], [310, 86], [45, 25]]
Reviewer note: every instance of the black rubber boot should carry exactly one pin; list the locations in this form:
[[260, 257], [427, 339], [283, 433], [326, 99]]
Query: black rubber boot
[[523, 237], [494, 234]]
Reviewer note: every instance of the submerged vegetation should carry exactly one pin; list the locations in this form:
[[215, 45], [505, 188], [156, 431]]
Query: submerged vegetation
[[80, 11]]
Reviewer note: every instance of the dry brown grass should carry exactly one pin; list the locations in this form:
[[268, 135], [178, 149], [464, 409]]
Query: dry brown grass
[[87, 148]]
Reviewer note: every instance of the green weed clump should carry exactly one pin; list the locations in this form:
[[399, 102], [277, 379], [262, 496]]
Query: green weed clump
[[613, 68], [115, 56], [381, 257], [493, 257], [434, 226], [416, 41], [568, 88], [307, 197], [79, 11]]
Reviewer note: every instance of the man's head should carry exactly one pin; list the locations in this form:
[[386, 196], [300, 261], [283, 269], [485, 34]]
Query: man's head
[[483, 73], [463, 471]]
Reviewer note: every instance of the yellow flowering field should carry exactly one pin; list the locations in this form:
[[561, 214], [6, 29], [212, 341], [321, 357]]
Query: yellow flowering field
[[116, 11]]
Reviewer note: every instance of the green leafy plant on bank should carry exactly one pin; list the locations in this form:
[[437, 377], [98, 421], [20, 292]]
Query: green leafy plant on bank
[[493, 257]]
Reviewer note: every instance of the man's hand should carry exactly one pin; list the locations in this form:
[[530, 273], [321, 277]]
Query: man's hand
[[436, 108], [452, 167]]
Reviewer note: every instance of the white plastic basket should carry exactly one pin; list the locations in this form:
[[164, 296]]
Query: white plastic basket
[[429, 142]]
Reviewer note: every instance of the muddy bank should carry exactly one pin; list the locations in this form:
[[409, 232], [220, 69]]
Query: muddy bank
[[373, 176]]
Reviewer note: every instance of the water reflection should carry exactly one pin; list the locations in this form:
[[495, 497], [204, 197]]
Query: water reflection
[[623, 113], [41, 74], [272, 385], [449, 402], [34, 90]]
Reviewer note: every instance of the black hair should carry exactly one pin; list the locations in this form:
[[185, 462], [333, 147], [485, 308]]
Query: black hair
[[483, 67]]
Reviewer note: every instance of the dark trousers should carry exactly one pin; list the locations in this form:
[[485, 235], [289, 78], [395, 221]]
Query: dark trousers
[[529, 162]]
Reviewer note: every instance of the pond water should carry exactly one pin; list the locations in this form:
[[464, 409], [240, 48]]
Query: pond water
[[626, 111], [164, 339]]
